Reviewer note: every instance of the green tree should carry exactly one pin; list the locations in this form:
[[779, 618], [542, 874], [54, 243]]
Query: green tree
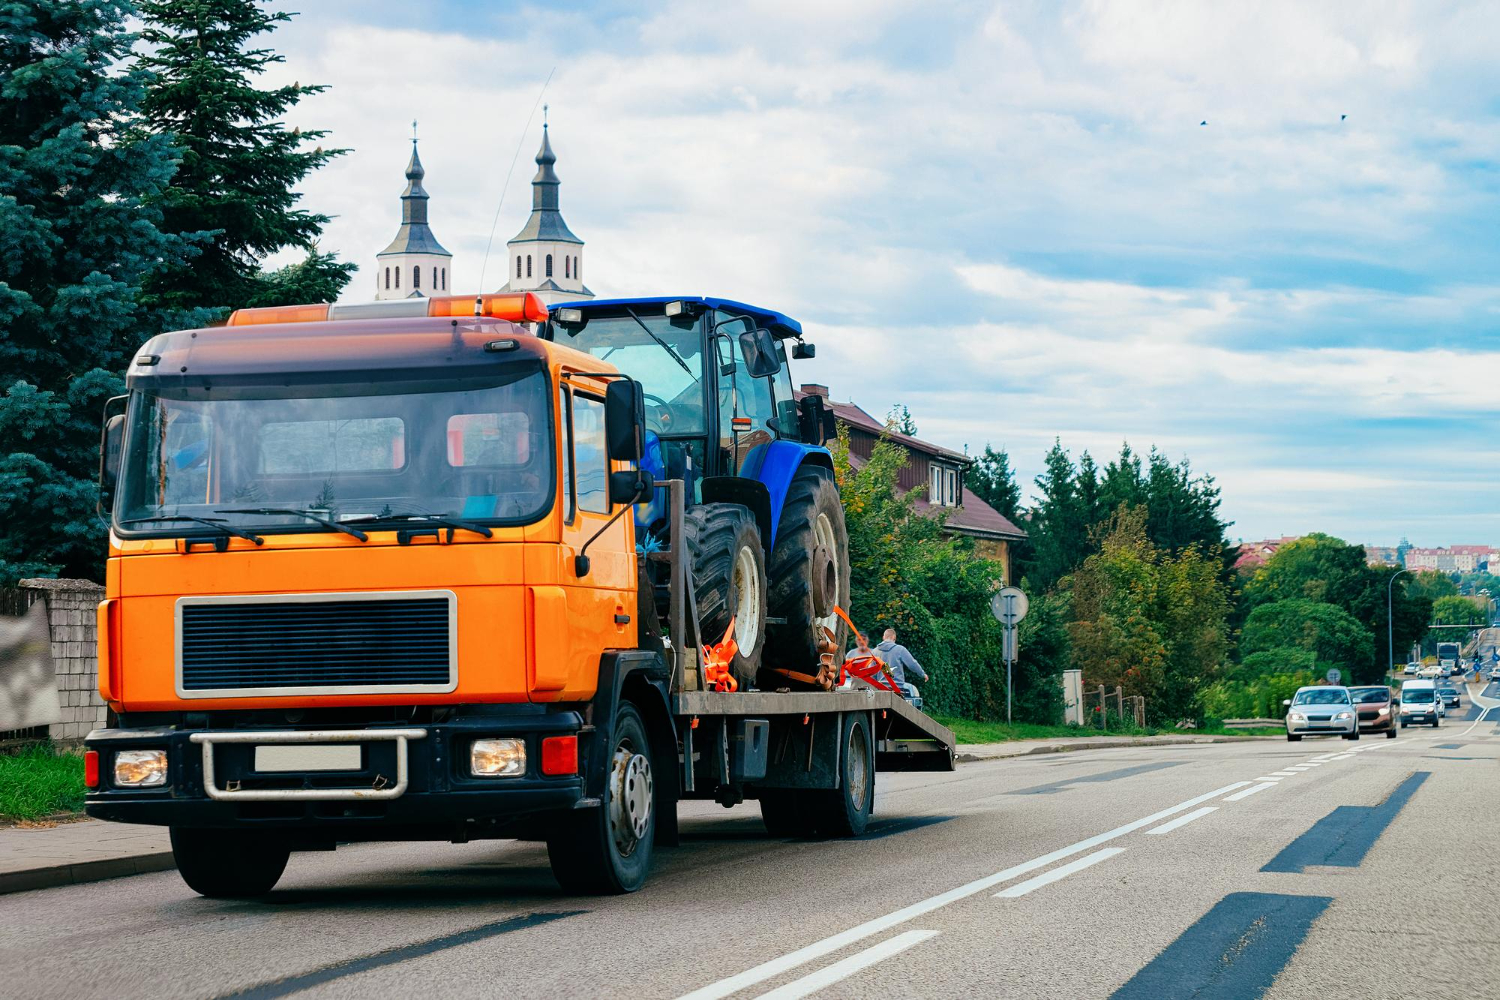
[[240, 161], [1319, 567], [1152, 622], [992, 480], [1431, 584], [78, 233], [1059, 530], [907, 574], [901, 421], [1334, 637], [1455, 610]]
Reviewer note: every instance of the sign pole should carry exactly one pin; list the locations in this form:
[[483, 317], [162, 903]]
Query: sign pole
[[1009, 606]]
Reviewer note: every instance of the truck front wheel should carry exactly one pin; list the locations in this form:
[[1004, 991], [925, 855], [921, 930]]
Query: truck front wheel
[[228, 864], [606, 849]]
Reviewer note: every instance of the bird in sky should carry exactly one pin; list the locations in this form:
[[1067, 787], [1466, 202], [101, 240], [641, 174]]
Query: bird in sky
[[1205, 122], [1342, 117]]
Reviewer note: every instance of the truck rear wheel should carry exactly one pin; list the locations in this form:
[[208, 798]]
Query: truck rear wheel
[[606, 850], [845, 811], [228, 864], [789, 812], [729, 577], [809, 570]]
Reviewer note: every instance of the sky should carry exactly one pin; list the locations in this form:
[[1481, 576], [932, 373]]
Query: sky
[[1257, 236]]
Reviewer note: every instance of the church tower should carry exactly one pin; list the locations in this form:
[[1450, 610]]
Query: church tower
[[545, 257], [415, 264]]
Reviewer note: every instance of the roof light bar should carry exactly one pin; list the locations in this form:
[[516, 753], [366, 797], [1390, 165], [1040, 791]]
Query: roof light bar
[[518, 307]]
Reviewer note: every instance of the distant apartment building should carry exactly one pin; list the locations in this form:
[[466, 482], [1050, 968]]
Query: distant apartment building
[[1383, 555], [1453, 558]]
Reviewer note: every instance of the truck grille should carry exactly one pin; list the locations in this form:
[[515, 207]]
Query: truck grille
[[353, 643]]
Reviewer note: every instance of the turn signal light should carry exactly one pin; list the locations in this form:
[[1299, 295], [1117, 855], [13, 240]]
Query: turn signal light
[[560, 755], [91, 769]]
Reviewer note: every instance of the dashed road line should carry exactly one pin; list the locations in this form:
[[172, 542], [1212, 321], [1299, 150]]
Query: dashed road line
[[844, 968], [1249, 791], [1182, 820], [1060, 872]]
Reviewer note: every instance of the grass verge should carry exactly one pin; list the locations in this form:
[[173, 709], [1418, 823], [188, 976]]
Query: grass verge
[[40, 781], [973, 731]]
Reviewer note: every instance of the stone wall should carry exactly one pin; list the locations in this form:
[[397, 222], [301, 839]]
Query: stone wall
[[72, 607]]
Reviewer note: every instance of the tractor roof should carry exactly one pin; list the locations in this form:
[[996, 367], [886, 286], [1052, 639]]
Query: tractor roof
[[769, 316]]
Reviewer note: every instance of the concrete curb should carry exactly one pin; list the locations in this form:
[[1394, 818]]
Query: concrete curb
[[970, 753], [85, 871]]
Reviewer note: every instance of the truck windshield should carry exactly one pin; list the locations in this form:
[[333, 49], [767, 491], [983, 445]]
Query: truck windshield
[[665, 357], [268, 458]]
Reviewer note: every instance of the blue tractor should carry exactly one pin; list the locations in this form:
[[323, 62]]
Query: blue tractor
[[764, 527]]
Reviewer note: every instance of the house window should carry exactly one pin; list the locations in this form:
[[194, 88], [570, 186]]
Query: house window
[[416, 276], [528, 265], [549, 265], [943, 486]]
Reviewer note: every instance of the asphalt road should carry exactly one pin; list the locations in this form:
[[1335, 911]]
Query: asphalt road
[[1317, 869]]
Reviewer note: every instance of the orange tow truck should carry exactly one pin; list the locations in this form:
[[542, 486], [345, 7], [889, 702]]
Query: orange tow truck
[[372, 576]]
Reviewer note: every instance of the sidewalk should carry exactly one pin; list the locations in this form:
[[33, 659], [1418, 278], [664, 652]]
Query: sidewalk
[[42, 857]]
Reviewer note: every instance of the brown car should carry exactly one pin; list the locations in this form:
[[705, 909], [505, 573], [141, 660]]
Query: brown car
[[1378, 710]]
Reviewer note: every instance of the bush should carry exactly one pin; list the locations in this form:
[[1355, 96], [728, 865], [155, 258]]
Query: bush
[[40, 781], [1260, 698]]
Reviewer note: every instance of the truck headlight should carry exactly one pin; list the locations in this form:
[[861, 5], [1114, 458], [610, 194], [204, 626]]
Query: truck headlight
[[140, 768], [1296, 717], [497, 758], [1342, 716]]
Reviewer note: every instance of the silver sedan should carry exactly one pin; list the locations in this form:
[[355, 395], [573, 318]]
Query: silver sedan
[[1323, 710]]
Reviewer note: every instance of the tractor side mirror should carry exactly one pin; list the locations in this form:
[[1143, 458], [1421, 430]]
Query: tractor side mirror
[[802, 352], [814, 420], [625, 420], [759, 352]]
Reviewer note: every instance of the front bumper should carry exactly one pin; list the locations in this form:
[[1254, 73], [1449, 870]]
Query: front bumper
[[1378, 724], [1320, 728], [1408, 718], [412, 781]]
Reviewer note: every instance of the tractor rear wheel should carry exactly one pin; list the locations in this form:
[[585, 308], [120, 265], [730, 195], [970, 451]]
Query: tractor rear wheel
[[729, 577], [809, 571]]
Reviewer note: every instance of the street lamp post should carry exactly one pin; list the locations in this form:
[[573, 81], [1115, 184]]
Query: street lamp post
[[1390, 632]]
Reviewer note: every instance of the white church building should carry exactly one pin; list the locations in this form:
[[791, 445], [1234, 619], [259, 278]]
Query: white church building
[[415, 263], [544, 257]]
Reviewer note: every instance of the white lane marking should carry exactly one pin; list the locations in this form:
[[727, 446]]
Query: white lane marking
[[1182, 820], [1312, 763], [1249, 791], [1061, 872], [1284, 774], [1343, 756], [1477, 721], [1325, 756], [844, 968], [1301, 767], [1267, 777], [805, 954]]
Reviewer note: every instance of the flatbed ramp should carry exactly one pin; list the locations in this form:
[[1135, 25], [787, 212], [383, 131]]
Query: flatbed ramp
[[906, 738]]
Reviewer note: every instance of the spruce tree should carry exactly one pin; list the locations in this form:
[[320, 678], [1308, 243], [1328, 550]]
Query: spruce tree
[[240, 161], [78, 233], [993, 480]]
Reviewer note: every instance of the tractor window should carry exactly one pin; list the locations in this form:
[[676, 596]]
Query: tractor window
[[589, 463], [665, 358], [745, 410], [787, 425]]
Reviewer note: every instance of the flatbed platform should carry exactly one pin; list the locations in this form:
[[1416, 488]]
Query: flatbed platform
[[907, 738]]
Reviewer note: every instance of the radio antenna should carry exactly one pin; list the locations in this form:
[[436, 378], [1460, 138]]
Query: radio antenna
[[483, 267]]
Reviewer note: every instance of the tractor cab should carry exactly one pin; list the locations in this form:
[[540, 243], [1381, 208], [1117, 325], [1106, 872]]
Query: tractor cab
[[721, 416], [717, 384]]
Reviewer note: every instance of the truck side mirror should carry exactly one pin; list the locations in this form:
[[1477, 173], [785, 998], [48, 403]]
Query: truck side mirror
[[630, 486], [114, 436], [625, 420]]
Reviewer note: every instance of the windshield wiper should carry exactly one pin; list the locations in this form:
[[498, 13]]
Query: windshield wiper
[[289, 512], [438, 519], [216, 523], [664, 345]]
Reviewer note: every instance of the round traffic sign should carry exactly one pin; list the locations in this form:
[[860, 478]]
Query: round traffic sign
[[1334, 676], [1008, 605]]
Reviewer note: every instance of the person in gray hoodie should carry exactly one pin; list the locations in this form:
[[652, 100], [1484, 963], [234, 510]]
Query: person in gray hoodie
[[900, 661]]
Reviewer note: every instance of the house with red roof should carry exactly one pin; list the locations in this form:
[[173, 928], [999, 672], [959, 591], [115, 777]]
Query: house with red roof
[[941, 470]]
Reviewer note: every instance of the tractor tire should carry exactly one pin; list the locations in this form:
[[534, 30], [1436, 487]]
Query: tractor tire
[[729, 578], [809, 571]]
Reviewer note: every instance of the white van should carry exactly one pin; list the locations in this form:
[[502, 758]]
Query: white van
[[1419, 704]]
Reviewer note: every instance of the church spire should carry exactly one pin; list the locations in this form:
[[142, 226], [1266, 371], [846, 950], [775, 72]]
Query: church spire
[[414, 263], [545, 256]]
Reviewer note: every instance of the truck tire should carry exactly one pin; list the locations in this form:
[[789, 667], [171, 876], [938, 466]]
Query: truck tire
[[228, 864], [606, 850], [809, 571], [729, 577], [845, 811]]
